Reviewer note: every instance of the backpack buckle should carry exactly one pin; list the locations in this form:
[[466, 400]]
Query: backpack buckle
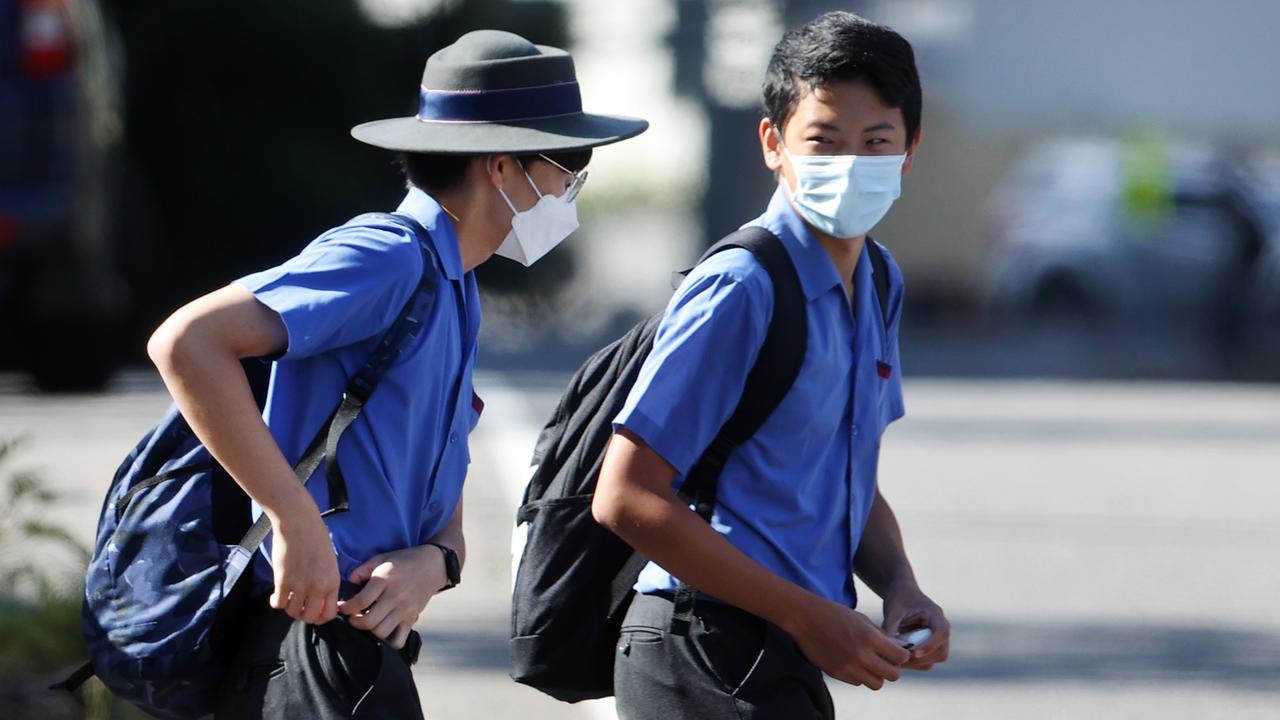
[[357, 393]]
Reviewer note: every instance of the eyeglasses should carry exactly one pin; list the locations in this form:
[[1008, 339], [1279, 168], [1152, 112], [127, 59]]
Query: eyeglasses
[[579, 179]]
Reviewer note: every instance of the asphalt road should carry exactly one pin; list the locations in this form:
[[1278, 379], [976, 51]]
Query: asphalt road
[[1104, 550]]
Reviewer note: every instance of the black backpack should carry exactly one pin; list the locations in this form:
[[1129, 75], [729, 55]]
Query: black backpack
[[574, 577]]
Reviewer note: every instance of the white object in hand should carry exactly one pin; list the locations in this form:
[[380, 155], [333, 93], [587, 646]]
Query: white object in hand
[[915, 638]]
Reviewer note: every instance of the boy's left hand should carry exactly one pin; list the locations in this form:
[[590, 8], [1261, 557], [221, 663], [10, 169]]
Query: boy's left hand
[[397, 587], [908, 608]]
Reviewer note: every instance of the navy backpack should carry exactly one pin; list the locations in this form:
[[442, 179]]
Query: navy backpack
[[164, 589]]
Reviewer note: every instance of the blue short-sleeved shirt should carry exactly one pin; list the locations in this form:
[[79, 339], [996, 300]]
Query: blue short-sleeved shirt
[[795, 497], [405, 457]]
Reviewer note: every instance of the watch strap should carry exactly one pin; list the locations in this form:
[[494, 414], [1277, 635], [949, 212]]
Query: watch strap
[[452, 567]]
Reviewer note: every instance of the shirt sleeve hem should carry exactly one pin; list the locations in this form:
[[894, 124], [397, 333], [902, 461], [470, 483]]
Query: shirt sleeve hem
[[652, 434], [265, 299]]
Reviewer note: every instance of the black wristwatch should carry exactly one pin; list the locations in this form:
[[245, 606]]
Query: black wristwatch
[[452, 568]]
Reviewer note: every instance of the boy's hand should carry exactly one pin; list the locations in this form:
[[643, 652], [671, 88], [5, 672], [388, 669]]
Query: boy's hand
[[397, 587], [848, 646], [907, 608], [305, 567]]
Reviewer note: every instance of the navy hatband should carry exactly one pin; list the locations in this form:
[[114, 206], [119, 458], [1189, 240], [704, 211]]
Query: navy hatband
[[491, 106]]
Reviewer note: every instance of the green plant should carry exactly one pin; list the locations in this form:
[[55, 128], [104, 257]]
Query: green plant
[[40, 603], [26, 537]]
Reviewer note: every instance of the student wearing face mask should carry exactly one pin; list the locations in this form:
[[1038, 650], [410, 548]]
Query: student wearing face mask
[[494, 159], [798, 511]]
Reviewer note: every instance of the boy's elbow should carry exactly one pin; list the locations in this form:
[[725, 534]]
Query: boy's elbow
[[606, 506], [614, 505], [632, 478], [176, 340], [163, 344]]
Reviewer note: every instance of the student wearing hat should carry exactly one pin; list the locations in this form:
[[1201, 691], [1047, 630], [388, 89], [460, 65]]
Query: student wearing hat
[[798, 509], [493, 160]]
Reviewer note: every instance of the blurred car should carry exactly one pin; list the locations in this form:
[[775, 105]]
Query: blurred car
[[1261, 325], [1137, 234], [60, 129]]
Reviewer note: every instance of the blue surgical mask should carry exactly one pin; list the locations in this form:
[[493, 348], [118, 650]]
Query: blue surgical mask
[[844, 196]]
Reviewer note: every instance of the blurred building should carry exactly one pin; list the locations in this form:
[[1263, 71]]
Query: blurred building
[[999, 75], [235, 151]]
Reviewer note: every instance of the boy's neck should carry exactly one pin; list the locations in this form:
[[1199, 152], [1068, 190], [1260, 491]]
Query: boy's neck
[[844, 254], [471, 225]]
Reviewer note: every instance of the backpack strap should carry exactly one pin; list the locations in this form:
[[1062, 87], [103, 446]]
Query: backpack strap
[[770, 379], [776, 367], [360, 387], [880, 276]]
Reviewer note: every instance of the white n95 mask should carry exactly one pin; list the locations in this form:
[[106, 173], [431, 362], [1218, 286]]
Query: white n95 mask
[[845, 196], [536, 231]]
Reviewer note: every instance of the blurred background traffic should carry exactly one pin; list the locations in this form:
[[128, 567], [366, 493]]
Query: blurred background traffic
[[1096, 202], [1097, 195]]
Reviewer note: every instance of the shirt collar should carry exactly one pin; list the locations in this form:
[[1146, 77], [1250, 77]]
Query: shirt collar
[[424, 208], [866, 306], [816, 271]]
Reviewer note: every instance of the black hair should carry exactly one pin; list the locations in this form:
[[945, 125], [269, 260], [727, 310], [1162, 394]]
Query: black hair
[[840, 46], [435, 173]]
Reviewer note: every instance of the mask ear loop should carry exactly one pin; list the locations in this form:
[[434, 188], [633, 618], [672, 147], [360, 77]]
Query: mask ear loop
[[791, 194], [507, 200], [532, 184], [781, 144]]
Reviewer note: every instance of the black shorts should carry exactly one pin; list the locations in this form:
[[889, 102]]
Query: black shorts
[[729, 664], [287, 669]]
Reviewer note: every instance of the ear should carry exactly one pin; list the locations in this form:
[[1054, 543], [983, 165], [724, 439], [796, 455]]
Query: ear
[[911, 151], [496, 168], [770, 145]]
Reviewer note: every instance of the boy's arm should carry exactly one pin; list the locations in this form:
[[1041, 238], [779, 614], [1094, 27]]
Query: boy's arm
[[197, 351], [881, 562], [634, 499], [399, 584]]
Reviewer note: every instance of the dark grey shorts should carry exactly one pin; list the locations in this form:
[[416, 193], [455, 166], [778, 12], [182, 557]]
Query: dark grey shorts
[[288, 669], [730, 664]]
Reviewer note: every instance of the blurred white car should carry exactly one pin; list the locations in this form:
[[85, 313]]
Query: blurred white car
[[1136, 234]]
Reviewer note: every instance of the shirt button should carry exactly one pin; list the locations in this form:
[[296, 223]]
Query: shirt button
[[433, 507], [855, 431], [453, 438]]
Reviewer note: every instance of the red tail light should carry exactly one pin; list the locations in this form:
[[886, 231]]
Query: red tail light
[[47, 43], [8, 231]]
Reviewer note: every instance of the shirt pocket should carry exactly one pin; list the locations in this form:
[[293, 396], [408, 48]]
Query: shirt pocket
[[888, 379]]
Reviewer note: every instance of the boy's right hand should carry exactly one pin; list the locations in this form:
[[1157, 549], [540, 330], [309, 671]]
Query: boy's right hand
[[304, 565], [847, 645]]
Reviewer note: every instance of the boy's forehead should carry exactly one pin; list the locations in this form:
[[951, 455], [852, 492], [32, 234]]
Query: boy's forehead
[[843, 102]]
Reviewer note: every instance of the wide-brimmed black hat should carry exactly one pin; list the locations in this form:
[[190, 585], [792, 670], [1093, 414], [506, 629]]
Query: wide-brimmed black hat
[[495, 92]]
